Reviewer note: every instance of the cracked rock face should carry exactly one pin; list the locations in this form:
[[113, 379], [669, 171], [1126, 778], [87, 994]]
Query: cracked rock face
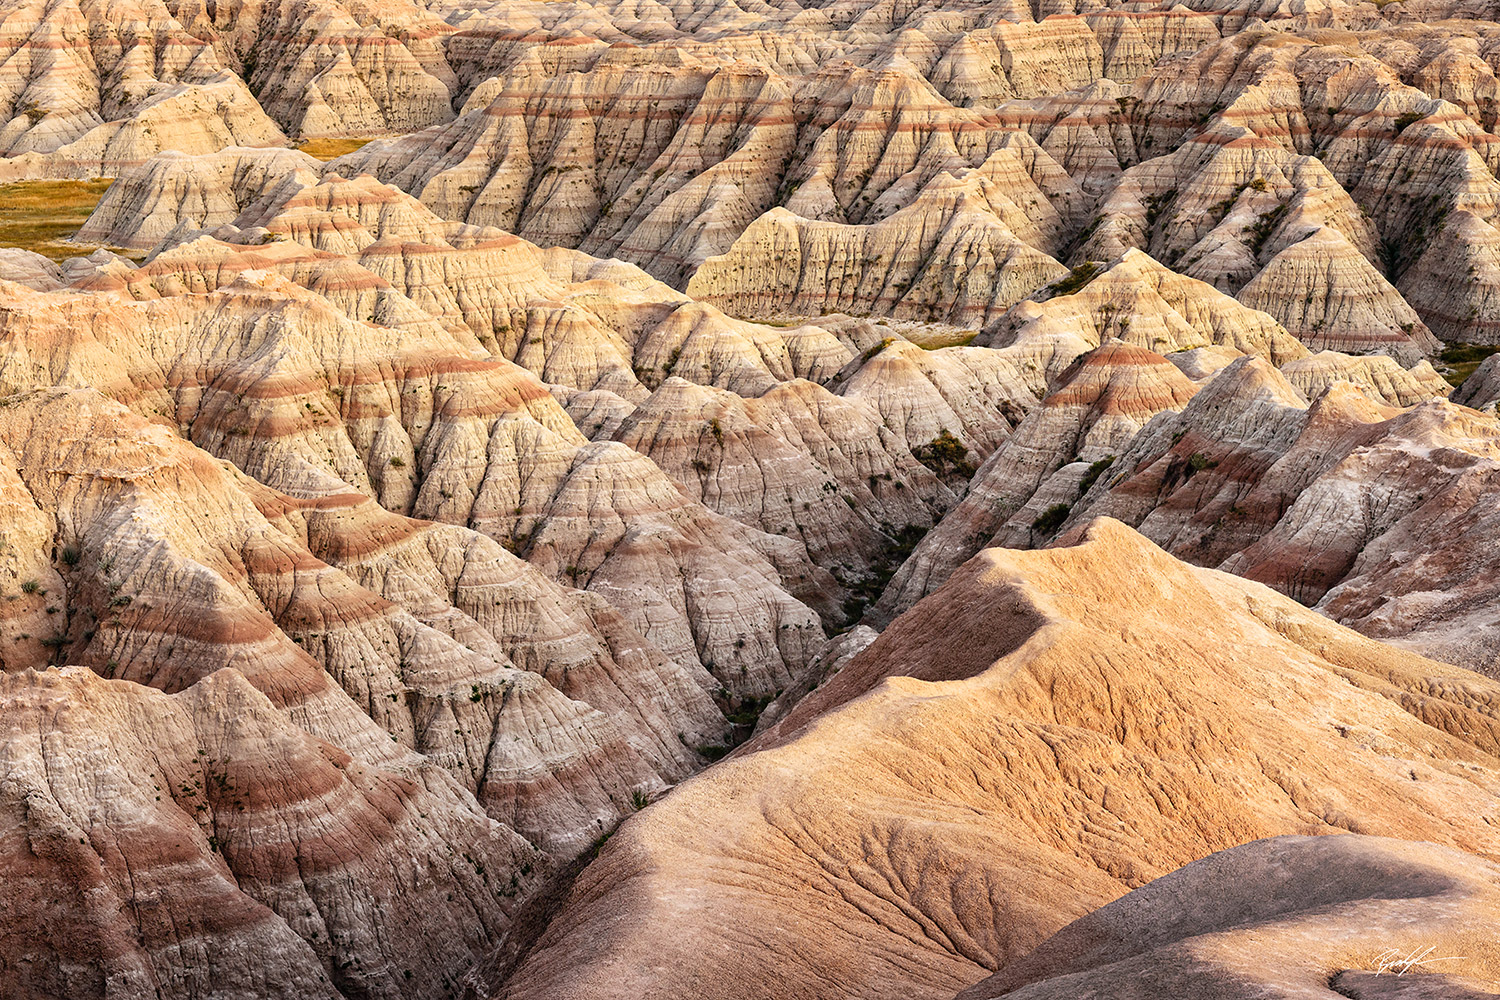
[[996, 765], [1297, 905]]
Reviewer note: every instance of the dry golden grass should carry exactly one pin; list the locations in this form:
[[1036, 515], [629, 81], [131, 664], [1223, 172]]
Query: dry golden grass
[[331, 149], [933, 340], [40, 215]]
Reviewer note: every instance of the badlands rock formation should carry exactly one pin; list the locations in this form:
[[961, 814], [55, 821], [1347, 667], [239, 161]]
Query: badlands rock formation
[[104, 86], [1047, 732], [386, 522], [1341, 502], [1097, 407], [199, 843]]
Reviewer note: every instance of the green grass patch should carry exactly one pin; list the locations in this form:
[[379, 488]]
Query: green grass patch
[[39, 215], [1074, 280], [1460, 360], [1095, 470], [944, 454], [1052, 518], [331, 148]]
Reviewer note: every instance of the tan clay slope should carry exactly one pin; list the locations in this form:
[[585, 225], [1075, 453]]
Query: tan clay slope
[[1376, 375], [609, 332], [331, 67], [948, 258], [273, 378], [1096, 407], [797, 461], [103, 85], [1136, 300], [199, 844], [1350, 916], [1369, 512], [1093, 412], [1308, 172], [665, 162], [381, 256], [154, 563], [1047, 732]]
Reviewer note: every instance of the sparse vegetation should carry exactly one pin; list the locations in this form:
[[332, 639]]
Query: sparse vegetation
[[945, 455], [747, 712], [713, 752], [1052, 518], [1156, 206], [1257, 235], [1460, 360], [1197, 462], [900, 545], [1095, 470], [1075, 281], [1407, 119], [1404, 243]]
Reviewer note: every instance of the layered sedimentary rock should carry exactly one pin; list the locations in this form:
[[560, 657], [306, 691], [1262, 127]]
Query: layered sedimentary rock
[[187, 118], [196, 843], [372, 632], [1327, 294], [1047, 732], [976, 396], [99, 87], [1377, 375], [1453, 284], [424, 424], [1345, 503], [175, 190], [1482, 388], [665, 156], [1307, 172], [1135, 300], [369, 265], [797, 461], [334, 68], [916, 265], [1096, 409], [408, 522], [605, 336]]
